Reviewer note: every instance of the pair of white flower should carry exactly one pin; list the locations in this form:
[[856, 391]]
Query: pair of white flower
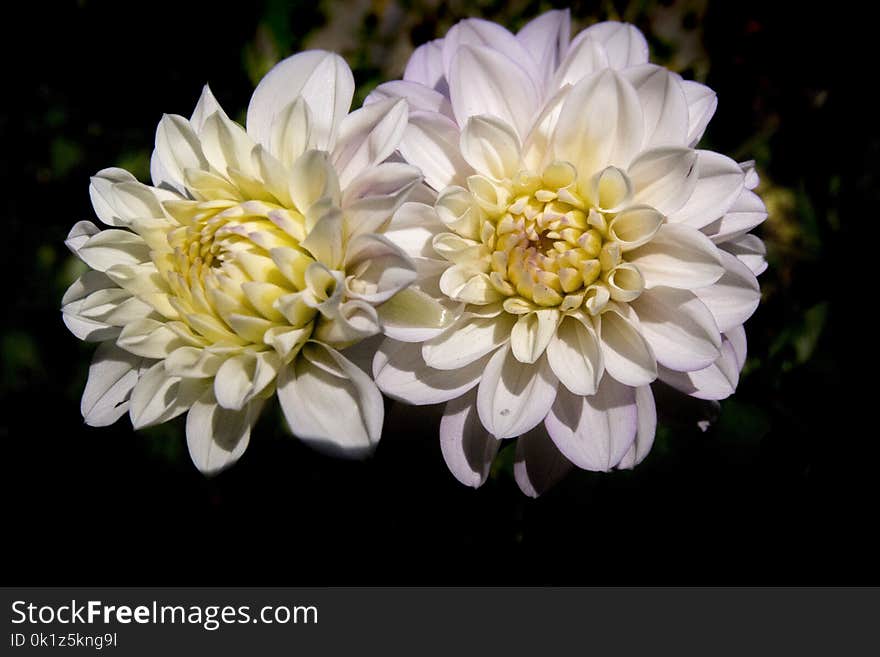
[[524, 218]]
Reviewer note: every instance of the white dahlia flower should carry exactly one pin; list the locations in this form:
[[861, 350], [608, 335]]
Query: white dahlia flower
[[254, 259], [582, 246]]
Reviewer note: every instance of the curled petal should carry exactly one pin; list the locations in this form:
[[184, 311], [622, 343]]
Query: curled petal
[[466, 341], [514, 397], [538, 464], [217, 437], [647, 427], [401, 373], [368, 136], [112, 376], [594, 432], [324, 81], [678, 256], [627, 356], [467, 447], [330, 403], [575, 356]]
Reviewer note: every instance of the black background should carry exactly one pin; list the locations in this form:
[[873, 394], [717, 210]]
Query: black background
[[781, 491]]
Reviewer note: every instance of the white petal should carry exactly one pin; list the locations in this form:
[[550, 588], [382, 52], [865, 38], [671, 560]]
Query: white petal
[[485, 81], [149, 338], [647, 427], [205, 107], [431, 142], [680, 329], [746, 212], [750, 250], [330, 403], [217, 437], [476, 32], [401, 373], [425, 65], [413, 227], [113, 247], [411, 315], [491, 147], [718, 381], [324, 81], [719, 184], [466, 341], [226, 145], [538, 464], [734, 297], [664, 178], [112, 376], [79, 234], [678, 256], [419, 97], [626, 354], [241, 378], [467, 447], [383, 269], [313, 179], [375, 194], [178, 149], [514, 397], [368, 136], [702, 103], [664, 104], [625, 44], [600, 124], [532, 333], [585, 56], [158, 397], [575, 357], [324, 240], [546, 38], [290, 134], [594, 432]]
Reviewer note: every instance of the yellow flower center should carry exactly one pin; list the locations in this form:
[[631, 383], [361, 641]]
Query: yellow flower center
[[552, 245]]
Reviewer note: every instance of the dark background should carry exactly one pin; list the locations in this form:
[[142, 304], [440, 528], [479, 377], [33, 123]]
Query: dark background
[[778, 490]]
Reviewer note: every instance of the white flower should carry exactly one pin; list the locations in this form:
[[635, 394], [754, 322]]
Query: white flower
[[588, 248], [254, 259]]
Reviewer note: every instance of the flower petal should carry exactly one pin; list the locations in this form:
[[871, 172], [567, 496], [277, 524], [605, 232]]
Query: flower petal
[[514, 397], [678, 256], [664, 105], [477, 33], [664, 178], [719, 184], [625, 44], [601, 124], [626, 354], [375, 194], [746, 212], [431, 142], [382, 268], [217, 437], [467, 447], [734, 297], [718, 381], [647, 428], [368, 136], [485, 81], [112, 376], [324, 81], [750, 250], [330, 403], [491, 147], [244, 376], [594, 432], [466, 341], [680, 329], [532, 333], [425, 66], [113, 247], [418, 96], [546, 38], [575, 356], [702, 102], [538, 464], [158, 397], [401, 373]]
